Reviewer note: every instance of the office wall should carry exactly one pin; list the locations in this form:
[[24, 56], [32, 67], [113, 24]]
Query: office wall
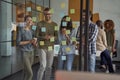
[[109, 9]]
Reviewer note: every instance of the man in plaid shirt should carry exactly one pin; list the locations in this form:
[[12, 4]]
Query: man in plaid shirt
[[93, 31]]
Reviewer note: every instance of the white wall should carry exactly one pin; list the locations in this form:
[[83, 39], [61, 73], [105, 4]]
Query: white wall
[[109, 9]]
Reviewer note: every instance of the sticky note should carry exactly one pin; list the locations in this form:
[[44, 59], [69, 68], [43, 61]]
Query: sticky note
[[64, 23], [72, 11], [34, 19], [67, 31], [63, 42], [42, 43], [56, 49], [63, 57], [67, 18], [43, 29], [33, 27], [74, 25], [62, 5], [28, 9], [56, 28], [67, 49], [52, 39], [50, 48], [39, 8], [51, 11], [73, 38]]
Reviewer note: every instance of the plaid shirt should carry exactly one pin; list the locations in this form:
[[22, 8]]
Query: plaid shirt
[[93, 31]]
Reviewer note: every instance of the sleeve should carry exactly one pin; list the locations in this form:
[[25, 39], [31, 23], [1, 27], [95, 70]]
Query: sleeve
[[93, 37], [19, 36]]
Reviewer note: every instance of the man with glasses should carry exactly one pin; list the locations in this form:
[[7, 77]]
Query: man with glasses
[[47, 34]]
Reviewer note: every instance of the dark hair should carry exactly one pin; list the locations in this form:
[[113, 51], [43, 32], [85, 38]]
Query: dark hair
[[110, 22], [98, 22], [25, 18], [47, 9], [69, 23]]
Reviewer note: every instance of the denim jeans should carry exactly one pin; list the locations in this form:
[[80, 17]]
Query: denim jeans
[[46, 61], [91, 62], [106, 60], [67, 64]]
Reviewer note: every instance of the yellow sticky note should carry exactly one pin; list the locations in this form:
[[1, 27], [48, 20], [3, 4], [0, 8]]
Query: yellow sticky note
[[39, 8], [34, 19], [74, 25], [67, 31], [62, 5], [73, 38], [41, 43], [67, 18], [56, 28], [63, 42], [50, 48], [72, 11], [52, 39], [67, 49]]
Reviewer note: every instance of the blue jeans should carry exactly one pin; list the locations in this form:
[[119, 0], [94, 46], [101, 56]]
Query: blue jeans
[[92, 62], [106, 60], [67, 63]]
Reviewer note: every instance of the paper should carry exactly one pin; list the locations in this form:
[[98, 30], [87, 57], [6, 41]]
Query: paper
[[51, 11], [29, 9], [41, 43], [50, 48], [56, 28], [67, 49], [63, 57], [72, 11], [67, 31], [39, 8], [33, 27], [43, 29], [73, 38], [63, 42], [56, 49], [52, 39], [68, 19], [34, 19], [64, 23], [62, 5]]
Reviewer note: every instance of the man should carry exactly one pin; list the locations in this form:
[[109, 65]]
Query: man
[[93, 31], [47, 34]]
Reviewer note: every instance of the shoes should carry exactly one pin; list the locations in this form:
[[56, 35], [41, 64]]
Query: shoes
[[103, 69]]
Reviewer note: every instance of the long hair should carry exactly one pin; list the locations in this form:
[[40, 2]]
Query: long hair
[[111, 24], [69, 25]]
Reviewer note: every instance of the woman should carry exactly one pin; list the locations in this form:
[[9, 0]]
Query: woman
[[67, 41], [101, 45], [110, 35], [26, 41]]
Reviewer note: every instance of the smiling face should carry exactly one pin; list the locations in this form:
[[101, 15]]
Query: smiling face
[[29, 21], [48, 15]]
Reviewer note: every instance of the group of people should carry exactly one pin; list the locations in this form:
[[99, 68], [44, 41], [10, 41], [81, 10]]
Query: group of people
[[47, 35]]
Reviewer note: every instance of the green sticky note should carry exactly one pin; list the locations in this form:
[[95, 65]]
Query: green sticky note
[[63, 42], [41, 43], [67, 31], [28, 9], [72, 11], [34, 19], [51, 11], [52, 39], [50, 48], [73, 38], [56, 28], [67, 18]]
